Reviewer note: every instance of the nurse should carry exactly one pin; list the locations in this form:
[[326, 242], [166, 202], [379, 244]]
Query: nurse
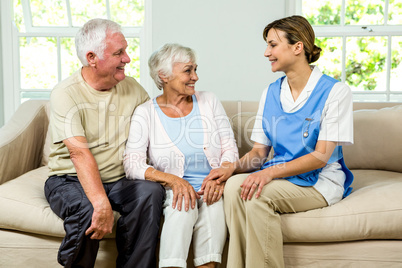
[[305, 117]]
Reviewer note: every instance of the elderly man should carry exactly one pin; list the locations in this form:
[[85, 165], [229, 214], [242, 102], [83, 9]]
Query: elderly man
[[90, 113]]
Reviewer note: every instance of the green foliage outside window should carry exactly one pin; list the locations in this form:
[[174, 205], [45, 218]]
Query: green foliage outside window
[[39, 55], [366, 56]]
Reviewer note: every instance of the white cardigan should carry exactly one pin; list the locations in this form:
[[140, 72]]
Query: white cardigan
[[149, 140]]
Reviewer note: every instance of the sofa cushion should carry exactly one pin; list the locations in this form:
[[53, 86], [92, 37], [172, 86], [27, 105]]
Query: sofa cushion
[[377, 140], [23, 206], [372, 211]]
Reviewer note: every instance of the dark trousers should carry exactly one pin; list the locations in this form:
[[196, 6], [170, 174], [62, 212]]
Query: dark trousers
[[139, 204]]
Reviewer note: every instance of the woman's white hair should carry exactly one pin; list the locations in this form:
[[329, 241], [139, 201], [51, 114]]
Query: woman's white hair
[[91, 37], [162, 60]]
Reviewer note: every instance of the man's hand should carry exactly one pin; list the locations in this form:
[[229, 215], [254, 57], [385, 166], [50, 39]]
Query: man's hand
[[102, 220], [89, 177]]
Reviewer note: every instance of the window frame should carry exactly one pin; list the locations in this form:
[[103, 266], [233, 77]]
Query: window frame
[[11, 58], [344, 31]]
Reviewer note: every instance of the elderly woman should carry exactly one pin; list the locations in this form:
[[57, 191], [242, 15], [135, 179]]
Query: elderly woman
[[184, 134]]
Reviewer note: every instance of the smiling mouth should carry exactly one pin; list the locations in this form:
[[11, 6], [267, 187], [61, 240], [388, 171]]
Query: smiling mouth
[[121, 68]]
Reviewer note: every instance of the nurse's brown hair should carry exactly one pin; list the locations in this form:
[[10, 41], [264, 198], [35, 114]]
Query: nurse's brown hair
[[297, 29]]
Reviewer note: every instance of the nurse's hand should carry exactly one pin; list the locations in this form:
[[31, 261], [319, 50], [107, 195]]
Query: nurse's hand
[[220, 174], [254, 182], [212, 192], [182, 190]]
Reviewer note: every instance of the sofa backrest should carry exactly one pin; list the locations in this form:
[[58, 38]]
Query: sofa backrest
[[22, 140], [377, 140], [377, 134], [46, 147], [242, 116]]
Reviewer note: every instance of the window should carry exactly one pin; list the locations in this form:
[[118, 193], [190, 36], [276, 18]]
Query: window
[[42, 49], [362, 44]]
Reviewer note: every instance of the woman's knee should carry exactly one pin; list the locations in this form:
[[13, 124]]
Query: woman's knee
[[182, 220]]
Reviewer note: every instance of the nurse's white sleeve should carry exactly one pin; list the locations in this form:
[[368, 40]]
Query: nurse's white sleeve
[[337, 117], [258, 134]]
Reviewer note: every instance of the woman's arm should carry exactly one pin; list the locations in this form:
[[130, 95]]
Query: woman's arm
[[181, 188], [135, 154], [136, 166]]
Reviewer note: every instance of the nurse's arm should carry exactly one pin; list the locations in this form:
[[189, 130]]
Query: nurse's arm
[[251, 161], [312, 161]]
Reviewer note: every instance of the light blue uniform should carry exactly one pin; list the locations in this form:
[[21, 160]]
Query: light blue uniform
[[295, 134]]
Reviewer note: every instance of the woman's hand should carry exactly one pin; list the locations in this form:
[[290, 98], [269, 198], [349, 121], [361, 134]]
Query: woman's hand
[[254, 181], [212, 191], [182, 188]]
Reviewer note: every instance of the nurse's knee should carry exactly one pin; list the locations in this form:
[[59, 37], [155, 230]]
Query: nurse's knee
[[232, 187]]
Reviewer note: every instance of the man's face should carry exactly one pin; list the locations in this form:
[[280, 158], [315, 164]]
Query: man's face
[[110, 69]]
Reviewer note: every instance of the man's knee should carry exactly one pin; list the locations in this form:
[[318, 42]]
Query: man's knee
[[67, 198], [152, 190]]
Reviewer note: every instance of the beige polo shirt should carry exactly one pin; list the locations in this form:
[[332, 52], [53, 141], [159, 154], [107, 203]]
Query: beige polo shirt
[[102, 117]]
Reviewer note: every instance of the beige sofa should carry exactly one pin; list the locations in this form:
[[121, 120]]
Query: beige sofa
[[363, 230]]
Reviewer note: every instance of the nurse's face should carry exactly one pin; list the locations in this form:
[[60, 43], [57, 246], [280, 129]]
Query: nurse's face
[[279, 51]]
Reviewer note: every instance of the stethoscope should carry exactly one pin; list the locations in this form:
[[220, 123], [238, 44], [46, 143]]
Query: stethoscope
[[305, 133]]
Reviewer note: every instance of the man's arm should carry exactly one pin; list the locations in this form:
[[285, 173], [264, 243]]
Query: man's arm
[[89, 177]]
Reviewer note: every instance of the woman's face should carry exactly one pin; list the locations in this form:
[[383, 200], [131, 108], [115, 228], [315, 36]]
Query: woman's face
[[182, 81], [279, 51]]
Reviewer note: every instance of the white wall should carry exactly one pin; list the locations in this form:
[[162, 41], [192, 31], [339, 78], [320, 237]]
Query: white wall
[[227, 37]]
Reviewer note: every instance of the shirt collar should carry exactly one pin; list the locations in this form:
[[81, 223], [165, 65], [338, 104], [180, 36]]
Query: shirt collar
[[286, 95]]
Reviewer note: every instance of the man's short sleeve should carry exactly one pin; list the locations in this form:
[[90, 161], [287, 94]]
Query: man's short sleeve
[[65, 121]]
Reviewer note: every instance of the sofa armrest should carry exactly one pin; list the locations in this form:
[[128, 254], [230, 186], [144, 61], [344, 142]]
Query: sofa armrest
[[22, 140]]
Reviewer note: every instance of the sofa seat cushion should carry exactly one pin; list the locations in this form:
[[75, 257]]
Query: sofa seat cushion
[[39, 251], [23, 206], [372, 211]]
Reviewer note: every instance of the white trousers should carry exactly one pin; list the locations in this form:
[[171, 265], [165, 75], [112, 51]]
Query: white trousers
[[204, 225]]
